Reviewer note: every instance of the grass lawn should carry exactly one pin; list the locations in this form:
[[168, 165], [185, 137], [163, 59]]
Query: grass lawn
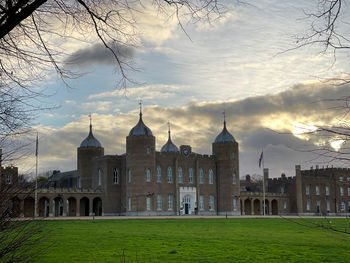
[[192, 240]]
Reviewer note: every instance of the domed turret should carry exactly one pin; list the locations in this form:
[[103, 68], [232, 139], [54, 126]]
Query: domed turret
[[90, 140], [225, 136], [169, 146], [140, 129]]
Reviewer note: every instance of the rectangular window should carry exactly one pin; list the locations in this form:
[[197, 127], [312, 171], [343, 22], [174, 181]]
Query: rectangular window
[[328, 206], [318, 206], [170, 175], [284, 204], [159, 202], [159, 174], [348, 178], [341, 191], [179, 175], [99, 177], [282, 189], [340, 178], [327, 190], [116, 176], [148, 203], [211, 176], [307, 205], [190, 175], [148, 175], [234, 178], [348, 191], [8, 179], [234, 204], [307, 190], [211, 202], [170, 202], [201, 202], [129, 203], [342, 206], [129, 176], [317, 190], [201, 176]]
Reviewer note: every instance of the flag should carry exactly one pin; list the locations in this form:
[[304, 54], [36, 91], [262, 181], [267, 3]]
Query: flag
[[261, 158], [37, 144]]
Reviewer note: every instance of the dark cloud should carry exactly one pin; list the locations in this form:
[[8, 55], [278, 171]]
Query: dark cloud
[[99, 54]]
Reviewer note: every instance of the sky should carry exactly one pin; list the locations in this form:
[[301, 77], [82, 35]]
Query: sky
[[241, 63]]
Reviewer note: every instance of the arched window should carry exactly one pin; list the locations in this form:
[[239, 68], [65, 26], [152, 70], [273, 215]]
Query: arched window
[[129, 176], [234, 204], [116, 176], [234, 178], [179, 174], [8, 179], [170, 175], [159, 174], [201, 176], [159, 202], [148, 203], [148, 175], [211, 202], [190, 175], [99, 177], [211, 176]]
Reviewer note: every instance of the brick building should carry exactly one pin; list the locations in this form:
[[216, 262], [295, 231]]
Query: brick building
[[175, 181]]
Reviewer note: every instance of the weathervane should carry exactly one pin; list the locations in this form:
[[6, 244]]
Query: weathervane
[[140, 103]]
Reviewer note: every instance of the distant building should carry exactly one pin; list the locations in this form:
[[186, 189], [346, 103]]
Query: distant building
[[176, 181]]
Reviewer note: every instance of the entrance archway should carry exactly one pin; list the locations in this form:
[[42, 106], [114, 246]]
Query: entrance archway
[[97, 206], [15, 207], [248, 207], [257, 210], [44, 207], [71, 206], [187, 204], [29, 207], [84, 206], [58, 206], [274, 207]]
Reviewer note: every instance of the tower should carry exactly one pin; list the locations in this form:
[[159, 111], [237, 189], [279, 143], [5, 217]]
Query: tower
[[140, 169], [225, 149], [89, 149]]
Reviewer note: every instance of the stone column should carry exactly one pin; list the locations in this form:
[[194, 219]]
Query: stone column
[[270, 207], [64, 200], [243, 208], [252, 207], [77, 211], [91, 206], [51, 207], [21, 207], [262, 207]]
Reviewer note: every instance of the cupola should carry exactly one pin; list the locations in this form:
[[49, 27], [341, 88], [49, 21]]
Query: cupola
[[140, 129], [224, 136], [169, 146], [90, 140]]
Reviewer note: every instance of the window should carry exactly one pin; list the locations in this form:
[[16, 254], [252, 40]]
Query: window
[[317, 190], [282, 189], [233, 155], [211, 176], [79, 182], [116, 176], [170, 202], [190, 175], [341, 191], [170, 175], [201, 176], [211, 202], [307, 190], [348, 191], [201, 202], [318, 206], [328, 206], [159, 174], [179, 175], [340, 178], [148, 150], [348, 206], [327, 190], [342, 206], [99, 177], [159, 202], [348, 178], [129, 176], [129, 203], [284, 204], [148, 203], [148, 175], [234, 204], [234, 178], [308, 205], [8, 179]]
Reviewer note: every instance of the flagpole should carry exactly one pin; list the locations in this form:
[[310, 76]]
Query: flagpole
[[36, 176], [263, 168]]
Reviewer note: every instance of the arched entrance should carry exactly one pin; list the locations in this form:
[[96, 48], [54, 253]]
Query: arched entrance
[[274, 207], [248, 207], [58, 206], [15, 207], [28, 207], [257, 210], [71, 206], [186, 201], [97, 206], [84, 206], [44, 207]]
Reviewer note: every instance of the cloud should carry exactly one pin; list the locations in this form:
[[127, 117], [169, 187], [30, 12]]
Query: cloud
[[99, 54], [255, 122]]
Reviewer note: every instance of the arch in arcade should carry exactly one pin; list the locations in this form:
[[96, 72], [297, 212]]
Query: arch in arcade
[[274, 207], [97, 206], [71, 206], [28, 207], [248, 207], [15, 207], [256, 204], [57, 208], [84, 206], [44, 206]]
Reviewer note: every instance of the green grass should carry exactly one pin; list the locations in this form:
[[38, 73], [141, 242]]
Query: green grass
[[192, 240]]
